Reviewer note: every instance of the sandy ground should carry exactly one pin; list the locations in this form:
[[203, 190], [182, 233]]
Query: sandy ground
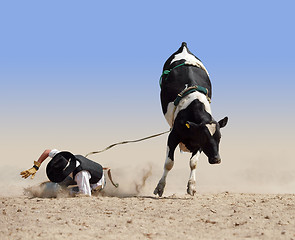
[[248, 196], [205, 216]]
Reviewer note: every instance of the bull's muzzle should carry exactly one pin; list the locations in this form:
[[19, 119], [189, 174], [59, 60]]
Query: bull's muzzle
[[215, 160]]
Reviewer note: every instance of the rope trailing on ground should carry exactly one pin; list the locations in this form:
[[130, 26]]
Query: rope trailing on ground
[[124, 142]]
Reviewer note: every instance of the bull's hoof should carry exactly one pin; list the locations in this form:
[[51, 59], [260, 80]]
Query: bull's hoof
[[191, 187], [160, 189]]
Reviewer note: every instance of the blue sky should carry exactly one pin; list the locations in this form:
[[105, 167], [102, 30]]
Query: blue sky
[[64, 37], [97, 49], [88, 47], [91, 68]]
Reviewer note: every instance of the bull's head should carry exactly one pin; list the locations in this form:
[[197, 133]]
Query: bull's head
[[206, 136]]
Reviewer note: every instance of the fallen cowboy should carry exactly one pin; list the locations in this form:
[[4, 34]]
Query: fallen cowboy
[[77, 173]]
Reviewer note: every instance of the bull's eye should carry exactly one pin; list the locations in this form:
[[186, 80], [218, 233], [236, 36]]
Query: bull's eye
[[217, 136]]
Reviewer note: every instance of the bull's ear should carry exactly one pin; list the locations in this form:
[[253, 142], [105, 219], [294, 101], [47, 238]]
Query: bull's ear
[[222, 123]]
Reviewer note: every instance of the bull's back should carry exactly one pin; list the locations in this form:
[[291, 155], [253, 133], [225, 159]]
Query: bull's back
[[179, 79]]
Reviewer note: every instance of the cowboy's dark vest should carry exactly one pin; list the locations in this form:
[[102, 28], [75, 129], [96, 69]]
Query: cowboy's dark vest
[[93, 168]]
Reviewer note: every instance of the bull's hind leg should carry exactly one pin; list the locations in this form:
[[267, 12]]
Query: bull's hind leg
[[191, 185], [172, 143]]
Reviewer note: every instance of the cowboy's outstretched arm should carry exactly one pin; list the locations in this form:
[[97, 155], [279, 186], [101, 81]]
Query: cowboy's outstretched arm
[[32, 171]]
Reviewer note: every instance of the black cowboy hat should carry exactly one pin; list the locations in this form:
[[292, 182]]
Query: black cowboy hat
[[60, 166]]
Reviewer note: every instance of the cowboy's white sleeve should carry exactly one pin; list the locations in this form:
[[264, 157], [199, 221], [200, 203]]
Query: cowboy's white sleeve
[[82, 179], [53, 152]]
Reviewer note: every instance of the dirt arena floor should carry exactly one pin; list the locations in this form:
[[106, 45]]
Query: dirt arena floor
[[205, 216], [248, 197]]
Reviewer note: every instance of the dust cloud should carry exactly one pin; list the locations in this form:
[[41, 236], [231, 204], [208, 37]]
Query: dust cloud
[[251, 165]]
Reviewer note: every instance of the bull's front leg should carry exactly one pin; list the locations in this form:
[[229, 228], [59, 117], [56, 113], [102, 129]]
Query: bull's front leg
[[169, 162], [191, 185]]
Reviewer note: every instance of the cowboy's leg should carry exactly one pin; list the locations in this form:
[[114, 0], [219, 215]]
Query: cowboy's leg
[[82, 178]]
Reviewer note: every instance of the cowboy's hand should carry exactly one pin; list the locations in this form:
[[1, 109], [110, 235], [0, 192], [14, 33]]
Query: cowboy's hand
[[32, 171]]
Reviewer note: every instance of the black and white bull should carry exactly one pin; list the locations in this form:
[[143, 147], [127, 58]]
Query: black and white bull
[[185, 98]]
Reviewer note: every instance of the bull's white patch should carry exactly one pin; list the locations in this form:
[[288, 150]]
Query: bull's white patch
[[168, 164], [169, 114], [172, 112], [191, 186], [212, 128], [189, 59]]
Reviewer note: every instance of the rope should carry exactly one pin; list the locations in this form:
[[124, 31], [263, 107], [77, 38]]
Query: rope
[[190, 90], [124, 142], [166, 72]]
